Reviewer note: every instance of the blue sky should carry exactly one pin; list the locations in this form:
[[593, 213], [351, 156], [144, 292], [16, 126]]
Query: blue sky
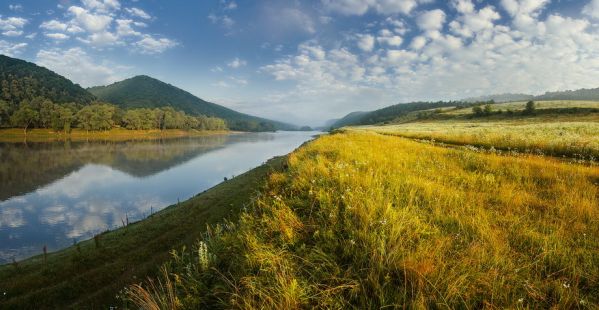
[[308, 61]]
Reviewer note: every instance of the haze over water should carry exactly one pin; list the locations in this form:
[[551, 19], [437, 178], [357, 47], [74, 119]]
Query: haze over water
[[56, 193]]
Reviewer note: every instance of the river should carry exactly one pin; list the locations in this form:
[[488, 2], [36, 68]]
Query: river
[[56, 193]]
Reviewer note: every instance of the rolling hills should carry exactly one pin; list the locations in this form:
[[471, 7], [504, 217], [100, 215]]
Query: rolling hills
[[21, 80], [146, 92]]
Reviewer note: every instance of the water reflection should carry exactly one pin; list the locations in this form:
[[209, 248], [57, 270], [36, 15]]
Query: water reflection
[[55, 193]]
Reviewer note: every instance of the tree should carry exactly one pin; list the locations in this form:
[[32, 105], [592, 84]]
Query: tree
[[4, 111], [24, 117], [478, 111], [488, 110], [46, 110], [530, 108]]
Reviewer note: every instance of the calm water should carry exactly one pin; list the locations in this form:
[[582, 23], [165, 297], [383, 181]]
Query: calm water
[[55, 193]]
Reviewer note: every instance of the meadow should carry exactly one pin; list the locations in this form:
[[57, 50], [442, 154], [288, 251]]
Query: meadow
[[359, 219], [575, 138], [539, 105]]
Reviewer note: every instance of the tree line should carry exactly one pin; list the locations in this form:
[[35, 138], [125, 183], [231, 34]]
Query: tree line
[[43, 113]]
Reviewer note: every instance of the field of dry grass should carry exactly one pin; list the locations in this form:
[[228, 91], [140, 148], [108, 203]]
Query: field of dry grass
[[365, 220], [577, 139]]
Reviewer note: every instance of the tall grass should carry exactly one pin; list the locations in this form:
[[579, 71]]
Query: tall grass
[[363, 220], [572, 139]]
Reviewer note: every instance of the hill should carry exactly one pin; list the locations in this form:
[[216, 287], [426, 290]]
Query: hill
[[146, 92], [389, 113], [508, 97], [580, 94], [21, 80]]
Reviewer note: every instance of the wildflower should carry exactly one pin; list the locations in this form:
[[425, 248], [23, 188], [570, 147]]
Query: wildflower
[[352, 242], [520, 300], [566, 285]]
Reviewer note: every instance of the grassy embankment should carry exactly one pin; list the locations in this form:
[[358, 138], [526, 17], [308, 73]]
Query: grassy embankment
[[116, 134], [90, 275], [368, 221]]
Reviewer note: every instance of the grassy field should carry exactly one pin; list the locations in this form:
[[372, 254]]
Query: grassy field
[[90, 275], [577, 139], [539, 105], [364, 220], [116, 134]]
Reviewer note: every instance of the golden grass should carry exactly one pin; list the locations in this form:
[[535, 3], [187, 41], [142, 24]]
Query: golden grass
[[578, 139], [365, 220], [115, 134]]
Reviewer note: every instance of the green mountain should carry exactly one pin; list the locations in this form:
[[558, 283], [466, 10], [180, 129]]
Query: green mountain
[[21, 80], [146, 92]]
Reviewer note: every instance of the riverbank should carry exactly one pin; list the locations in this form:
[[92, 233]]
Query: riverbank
[[16, 135], [91, 274]]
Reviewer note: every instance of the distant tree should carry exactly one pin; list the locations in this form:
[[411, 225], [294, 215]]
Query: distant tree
[[24, 117], [478, 111], [530, 108], [4, 111], [488, 110], [46, 110]]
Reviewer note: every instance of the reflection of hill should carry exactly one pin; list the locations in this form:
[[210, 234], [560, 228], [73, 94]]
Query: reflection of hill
[[25, 167]]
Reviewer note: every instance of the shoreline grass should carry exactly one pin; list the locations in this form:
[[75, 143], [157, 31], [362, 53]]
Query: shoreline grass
[[16, 135], [364, 220], [90, 275]]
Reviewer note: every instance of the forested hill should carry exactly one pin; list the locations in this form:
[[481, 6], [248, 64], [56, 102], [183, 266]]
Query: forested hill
[[389, 113], [21, 80], [146, 92], [580, 94]]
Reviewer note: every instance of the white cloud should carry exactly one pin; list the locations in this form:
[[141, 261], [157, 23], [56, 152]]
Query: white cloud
[[15, 7], [77, 65], [138, 13], [90, 21], [103, 6], [237, 63], [151, 45], [54, 25], [230, 6], [360, 7], [591, 9], [12, 26], [11, 49], [57, 36], [366, 42], [431, 20]]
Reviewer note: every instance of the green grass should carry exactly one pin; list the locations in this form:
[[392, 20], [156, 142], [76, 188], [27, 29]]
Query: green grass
[[370, 221], [89, 277]]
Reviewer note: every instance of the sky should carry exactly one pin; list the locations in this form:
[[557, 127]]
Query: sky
[[306, 62]]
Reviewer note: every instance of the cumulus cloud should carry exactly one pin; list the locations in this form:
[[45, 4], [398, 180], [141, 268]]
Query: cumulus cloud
[[138, 12], [151, 45], [366, 42], [15, 7], [77, 65], [12, 26], [237, 63], [592, 9], [103, 23], [11, 49], [360, 7], [57, 36], [431, 20], [529, 52]]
